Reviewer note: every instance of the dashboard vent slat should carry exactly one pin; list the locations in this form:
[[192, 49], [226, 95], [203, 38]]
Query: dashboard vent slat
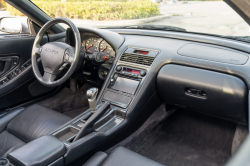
[[138, 59]]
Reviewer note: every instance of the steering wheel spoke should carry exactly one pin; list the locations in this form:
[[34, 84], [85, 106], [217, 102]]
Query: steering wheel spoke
[[47, 77], [69, 55], [38, 50]]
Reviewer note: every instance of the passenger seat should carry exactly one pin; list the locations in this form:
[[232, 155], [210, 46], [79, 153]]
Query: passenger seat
[[120, 157]]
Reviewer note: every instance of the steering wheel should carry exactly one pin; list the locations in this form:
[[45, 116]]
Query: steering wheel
[[55, 56]]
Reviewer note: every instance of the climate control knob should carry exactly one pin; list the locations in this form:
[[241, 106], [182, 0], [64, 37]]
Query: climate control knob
[[118, 68], [143, 73]]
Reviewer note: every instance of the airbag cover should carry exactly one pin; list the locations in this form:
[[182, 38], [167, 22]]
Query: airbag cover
[[217, 54]]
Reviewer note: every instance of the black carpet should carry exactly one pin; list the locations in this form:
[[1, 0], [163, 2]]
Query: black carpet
[[68, 102], [146, 131], [190, 139], [76, 112]]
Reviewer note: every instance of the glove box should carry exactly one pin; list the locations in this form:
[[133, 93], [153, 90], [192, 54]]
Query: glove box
[[205, 91]]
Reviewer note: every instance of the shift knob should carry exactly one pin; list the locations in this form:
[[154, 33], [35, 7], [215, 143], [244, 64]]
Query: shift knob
[[91, 96]]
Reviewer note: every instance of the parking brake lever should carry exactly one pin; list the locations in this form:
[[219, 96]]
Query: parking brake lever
[[88, 127]]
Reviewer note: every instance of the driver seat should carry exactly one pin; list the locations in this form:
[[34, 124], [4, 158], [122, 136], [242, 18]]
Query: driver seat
[[21, 126]]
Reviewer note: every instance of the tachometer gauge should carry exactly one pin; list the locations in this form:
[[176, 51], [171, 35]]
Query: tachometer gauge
[[91, 45], [106, 48]]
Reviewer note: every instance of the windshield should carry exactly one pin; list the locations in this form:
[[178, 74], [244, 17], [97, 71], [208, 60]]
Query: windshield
[[210, 17]]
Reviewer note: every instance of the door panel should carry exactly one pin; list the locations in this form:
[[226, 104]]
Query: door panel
[[17, 81]]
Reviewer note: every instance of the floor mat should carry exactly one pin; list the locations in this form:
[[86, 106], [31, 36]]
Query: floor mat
[[146, 131], [68, 102], [191, 139]]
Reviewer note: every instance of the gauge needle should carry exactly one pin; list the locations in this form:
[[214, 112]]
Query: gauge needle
[[104, 48], [89, 46]]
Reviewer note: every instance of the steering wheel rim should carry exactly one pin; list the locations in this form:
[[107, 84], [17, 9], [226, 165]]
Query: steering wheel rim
[[49, 54]]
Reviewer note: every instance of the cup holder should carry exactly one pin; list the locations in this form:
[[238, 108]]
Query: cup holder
[[4, 162], [66, 133]]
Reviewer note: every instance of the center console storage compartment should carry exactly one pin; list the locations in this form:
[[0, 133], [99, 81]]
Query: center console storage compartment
[[205, 91], [66, 133]]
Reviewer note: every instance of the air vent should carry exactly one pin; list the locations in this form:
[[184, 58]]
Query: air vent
[[138, 59]]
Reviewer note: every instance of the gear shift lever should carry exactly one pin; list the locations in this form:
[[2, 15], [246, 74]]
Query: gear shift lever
[[91, 96]]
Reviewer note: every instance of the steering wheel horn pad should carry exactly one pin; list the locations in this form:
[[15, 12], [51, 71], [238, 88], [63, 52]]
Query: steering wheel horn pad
[[55, 56], [52, 56]]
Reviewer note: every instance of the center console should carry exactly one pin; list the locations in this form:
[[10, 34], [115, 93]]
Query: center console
[[128, 76], [123, 85], [96, 124]]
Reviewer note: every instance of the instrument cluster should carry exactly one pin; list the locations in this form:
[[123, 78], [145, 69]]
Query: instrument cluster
[[91, 43]]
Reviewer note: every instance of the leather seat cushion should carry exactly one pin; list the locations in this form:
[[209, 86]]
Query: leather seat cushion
[[8, 143], [122, 157], [35, 121]]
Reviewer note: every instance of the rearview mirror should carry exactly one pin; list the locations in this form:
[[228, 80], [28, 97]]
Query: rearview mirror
[[10, 25]]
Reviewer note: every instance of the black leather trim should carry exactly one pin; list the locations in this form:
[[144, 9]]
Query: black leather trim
[[58, 162], [39, 152], [5, 119], [8, 143], [120, 156], [96, 160], [125, 157], [36, 121]]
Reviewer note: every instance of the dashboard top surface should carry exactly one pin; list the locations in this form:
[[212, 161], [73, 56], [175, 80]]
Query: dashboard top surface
[[168, 44]]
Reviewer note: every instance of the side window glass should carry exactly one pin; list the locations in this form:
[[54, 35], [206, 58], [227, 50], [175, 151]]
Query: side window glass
[[10, 23]]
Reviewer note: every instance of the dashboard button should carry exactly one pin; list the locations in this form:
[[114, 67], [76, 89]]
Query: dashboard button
[[17, 71], [143, 73], [118, 68]]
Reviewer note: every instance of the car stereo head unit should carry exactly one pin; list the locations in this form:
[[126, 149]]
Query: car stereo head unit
[[128, 71]]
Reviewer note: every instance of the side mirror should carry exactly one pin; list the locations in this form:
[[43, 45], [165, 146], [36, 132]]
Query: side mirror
[[10, 25]]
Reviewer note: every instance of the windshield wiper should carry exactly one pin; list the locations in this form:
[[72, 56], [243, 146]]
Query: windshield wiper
[[150, 27]]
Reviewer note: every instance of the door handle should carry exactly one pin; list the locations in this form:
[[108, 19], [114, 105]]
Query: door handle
[[7, 65]]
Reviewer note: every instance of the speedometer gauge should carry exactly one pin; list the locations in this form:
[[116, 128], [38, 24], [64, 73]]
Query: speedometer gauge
[[91, 45], [106, 48]]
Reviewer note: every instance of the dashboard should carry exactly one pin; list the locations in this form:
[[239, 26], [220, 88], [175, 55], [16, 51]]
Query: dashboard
[[223, 64]]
